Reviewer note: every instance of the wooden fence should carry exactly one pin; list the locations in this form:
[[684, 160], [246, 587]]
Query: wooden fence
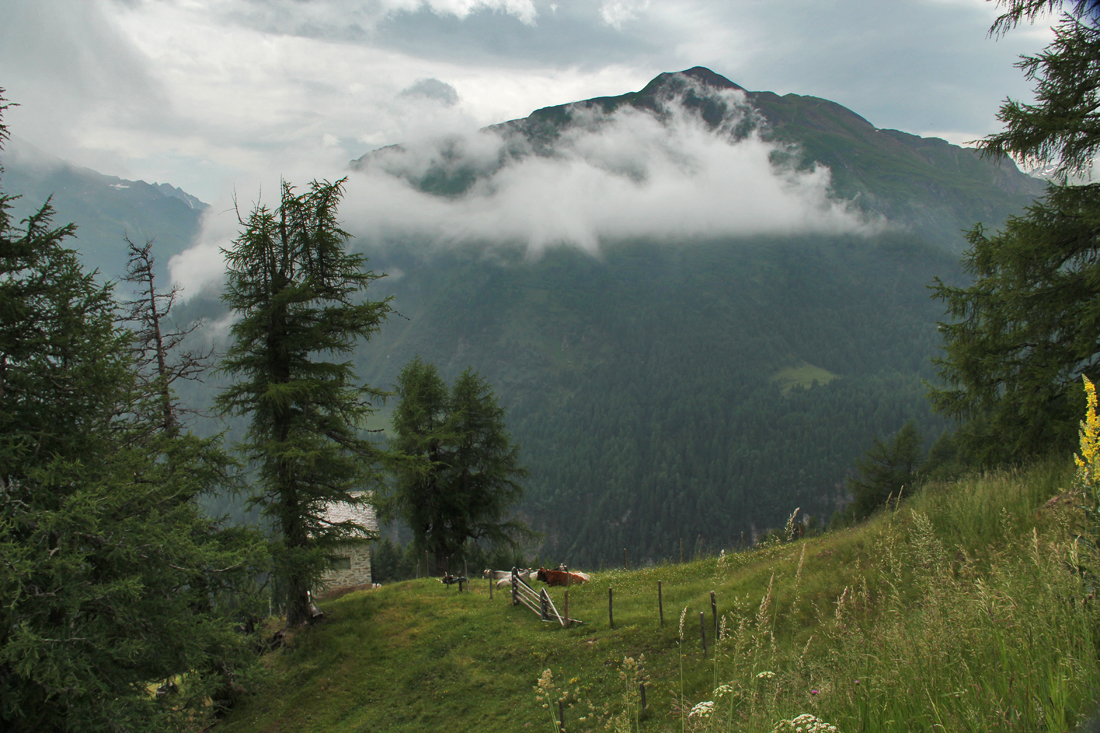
[[540, 602]]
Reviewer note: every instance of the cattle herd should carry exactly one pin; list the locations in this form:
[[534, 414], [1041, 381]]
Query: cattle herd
[[561, 576]]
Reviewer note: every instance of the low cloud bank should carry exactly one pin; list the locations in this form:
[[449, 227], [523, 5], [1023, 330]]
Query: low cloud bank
[[630, 174], [663, 175]]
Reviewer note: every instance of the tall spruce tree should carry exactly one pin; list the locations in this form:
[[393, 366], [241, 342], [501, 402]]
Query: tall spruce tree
[[1029, 324], [296, 292], [462, 481], [100, 545]]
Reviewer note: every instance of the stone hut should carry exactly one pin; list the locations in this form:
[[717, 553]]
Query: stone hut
[[350, 564]]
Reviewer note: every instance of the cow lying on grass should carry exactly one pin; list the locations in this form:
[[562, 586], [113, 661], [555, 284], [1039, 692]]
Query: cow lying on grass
[[561, 577], [498, 574], [504, 577]]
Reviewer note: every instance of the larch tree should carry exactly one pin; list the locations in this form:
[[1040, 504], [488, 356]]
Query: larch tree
[[299, 297], [98, 552], [156, 345], [1028, 326], [459, 478]]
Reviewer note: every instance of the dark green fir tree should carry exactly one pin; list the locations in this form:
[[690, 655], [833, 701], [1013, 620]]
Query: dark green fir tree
[[101, 544], [298, 295], [459, 479], [886, 470], [1028, 326]]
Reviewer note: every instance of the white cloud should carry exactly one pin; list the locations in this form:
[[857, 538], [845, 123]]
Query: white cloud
[[216, 332], [617, 12], [522, 9], [629, 175], [203, 265], [341, 18], [215, 94]]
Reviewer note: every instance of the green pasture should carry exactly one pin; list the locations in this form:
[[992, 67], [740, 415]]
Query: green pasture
[[802, 375], [967, 608]]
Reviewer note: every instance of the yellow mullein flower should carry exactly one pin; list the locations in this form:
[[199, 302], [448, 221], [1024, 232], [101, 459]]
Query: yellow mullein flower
[[1089, 434]]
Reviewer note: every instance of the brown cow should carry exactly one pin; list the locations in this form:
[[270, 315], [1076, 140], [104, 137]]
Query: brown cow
[[561, 577]]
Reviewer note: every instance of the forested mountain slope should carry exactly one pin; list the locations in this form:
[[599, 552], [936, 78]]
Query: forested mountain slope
[[666, 387], [695, 392]]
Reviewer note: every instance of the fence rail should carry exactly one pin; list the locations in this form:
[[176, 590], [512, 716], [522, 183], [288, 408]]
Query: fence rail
[[538, 602]]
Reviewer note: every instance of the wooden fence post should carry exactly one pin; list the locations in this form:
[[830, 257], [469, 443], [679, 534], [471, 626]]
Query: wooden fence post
[[714, 610], [568, 621], [660, 603], [641, 688], [703, 631], [561, 717], [544, 605], [515, 587], [610, 611]]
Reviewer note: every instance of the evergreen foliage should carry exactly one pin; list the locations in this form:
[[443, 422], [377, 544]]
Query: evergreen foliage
[[295, 289], [885, 469], [646, 387], [463, 481], [1028, 326], [113, 581]]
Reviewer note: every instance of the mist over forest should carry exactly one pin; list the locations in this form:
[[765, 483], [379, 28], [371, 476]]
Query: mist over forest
[[698, 304]]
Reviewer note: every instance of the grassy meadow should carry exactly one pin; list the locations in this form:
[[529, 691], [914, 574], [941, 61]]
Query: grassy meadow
[[969, 607]]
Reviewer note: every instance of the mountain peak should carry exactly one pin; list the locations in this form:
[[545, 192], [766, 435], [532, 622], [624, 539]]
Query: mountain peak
[[698, 73]]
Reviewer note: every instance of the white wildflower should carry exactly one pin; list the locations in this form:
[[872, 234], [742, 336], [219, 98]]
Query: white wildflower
[[804, 723], [702, 709]]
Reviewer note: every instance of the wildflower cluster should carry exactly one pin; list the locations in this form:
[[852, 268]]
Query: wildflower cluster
[[633, 672], [1089, 459], [804, 723], [723, 560], [1088, 462], [545, 690], [702, 709]]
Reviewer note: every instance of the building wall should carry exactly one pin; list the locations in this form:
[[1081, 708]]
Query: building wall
[[358, 555]]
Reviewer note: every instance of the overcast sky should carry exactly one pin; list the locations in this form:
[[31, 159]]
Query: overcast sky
[[224, 96], [212, 94]]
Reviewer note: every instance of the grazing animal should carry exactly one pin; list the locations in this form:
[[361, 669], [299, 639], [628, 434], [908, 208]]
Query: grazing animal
[[561, 577], [505, 581], [498, 574]]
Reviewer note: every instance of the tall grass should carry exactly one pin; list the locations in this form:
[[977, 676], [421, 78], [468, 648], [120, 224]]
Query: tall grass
[[973, 611], [968, 608]]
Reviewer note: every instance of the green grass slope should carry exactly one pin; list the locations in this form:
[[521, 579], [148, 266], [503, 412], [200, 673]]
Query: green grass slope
[[962, 610]]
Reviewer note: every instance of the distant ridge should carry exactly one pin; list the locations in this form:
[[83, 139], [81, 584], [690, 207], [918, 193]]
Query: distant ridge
[[926, 184], [104, 208]]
